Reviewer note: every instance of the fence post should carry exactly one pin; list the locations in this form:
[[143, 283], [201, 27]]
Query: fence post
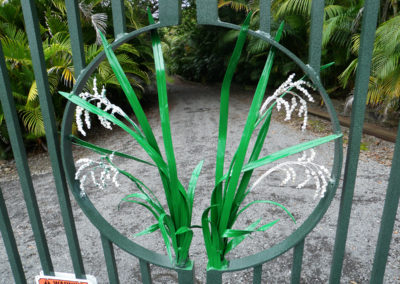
[[47, 108], [369, 21]]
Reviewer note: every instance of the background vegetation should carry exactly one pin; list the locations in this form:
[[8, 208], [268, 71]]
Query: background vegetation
[[197, 52]]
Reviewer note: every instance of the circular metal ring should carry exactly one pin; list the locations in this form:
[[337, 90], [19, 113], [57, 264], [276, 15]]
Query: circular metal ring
[[162, 260]]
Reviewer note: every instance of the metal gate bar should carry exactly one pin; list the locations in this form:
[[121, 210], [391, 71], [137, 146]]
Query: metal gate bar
[[14, 132], [47, 108], [369, 21], [10, 244], [388, 217]]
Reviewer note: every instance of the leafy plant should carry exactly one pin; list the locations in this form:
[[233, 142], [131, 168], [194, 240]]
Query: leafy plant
[[231, 187], [175, 226]]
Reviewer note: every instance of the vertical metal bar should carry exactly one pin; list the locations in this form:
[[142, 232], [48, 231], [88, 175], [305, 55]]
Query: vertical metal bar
[[369, 21], [297, 262], [170, 12], [10, 244], [207, 12], [75, 32], [214, 277], [388, 217], [186, 276], [47, 108], [110, 260], [20, 157], [118, 14], [257, 274], [317, 22], [265, 16], [145, 272]]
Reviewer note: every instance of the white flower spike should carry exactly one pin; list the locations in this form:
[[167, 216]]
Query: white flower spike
[[289, 87], [106, 171], [313, 171], [101, 101]]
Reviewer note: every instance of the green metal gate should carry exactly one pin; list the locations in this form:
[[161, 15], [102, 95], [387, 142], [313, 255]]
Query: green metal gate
[[169, 15]]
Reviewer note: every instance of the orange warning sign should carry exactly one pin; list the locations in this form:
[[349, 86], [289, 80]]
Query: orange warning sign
[[60, 281]]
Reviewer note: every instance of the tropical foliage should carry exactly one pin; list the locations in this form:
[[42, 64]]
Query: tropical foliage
[[136, 57], [197, 49]]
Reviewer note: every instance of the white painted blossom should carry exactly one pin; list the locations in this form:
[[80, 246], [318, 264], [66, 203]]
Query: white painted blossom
[[101, 102], [315, 173], [99, 172], [290, 87]]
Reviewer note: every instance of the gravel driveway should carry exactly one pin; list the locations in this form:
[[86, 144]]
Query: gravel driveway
[[194, 112]]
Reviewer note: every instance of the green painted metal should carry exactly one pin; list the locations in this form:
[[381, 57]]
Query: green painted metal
[[102, 225], [297, 262], [47, 108], [161, 260], [265, 16], [369, 21], [75, 33], [20, 157], [214, 276], [207, 12], [257, 274], [388, 218], [170, 12], [186, 276], [317, 22], [119, 19], [109, 256], [145, 271], [10, 244]]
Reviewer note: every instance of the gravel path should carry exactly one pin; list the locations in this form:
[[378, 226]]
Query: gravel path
[[194, 115]]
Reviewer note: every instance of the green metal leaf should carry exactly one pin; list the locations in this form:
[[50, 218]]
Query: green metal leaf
[[290, 151], [75, 140], [154, 154], [245, 140], [178, 209], [224, 105], [192, 186], [129, 93], [165, 236], [236, 241], [182, 230], [267, 226], [148, 230], [269, 202]]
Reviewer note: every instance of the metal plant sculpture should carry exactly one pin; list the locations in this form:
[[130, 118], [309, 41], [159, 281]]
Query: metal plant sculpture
[[231, 188]]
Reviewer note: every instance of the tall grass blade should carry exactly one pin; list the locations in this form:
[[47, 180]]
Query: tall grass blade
[[290, 151], [75, 140], [192, 186], [178, 210], [129, 92], [224, 105], [244, 142], [154, 155], [148, 230]]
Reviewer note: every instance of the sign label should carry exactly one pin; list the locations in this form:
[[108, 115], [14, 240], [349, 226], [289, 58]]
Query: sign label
[[63, 278]]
